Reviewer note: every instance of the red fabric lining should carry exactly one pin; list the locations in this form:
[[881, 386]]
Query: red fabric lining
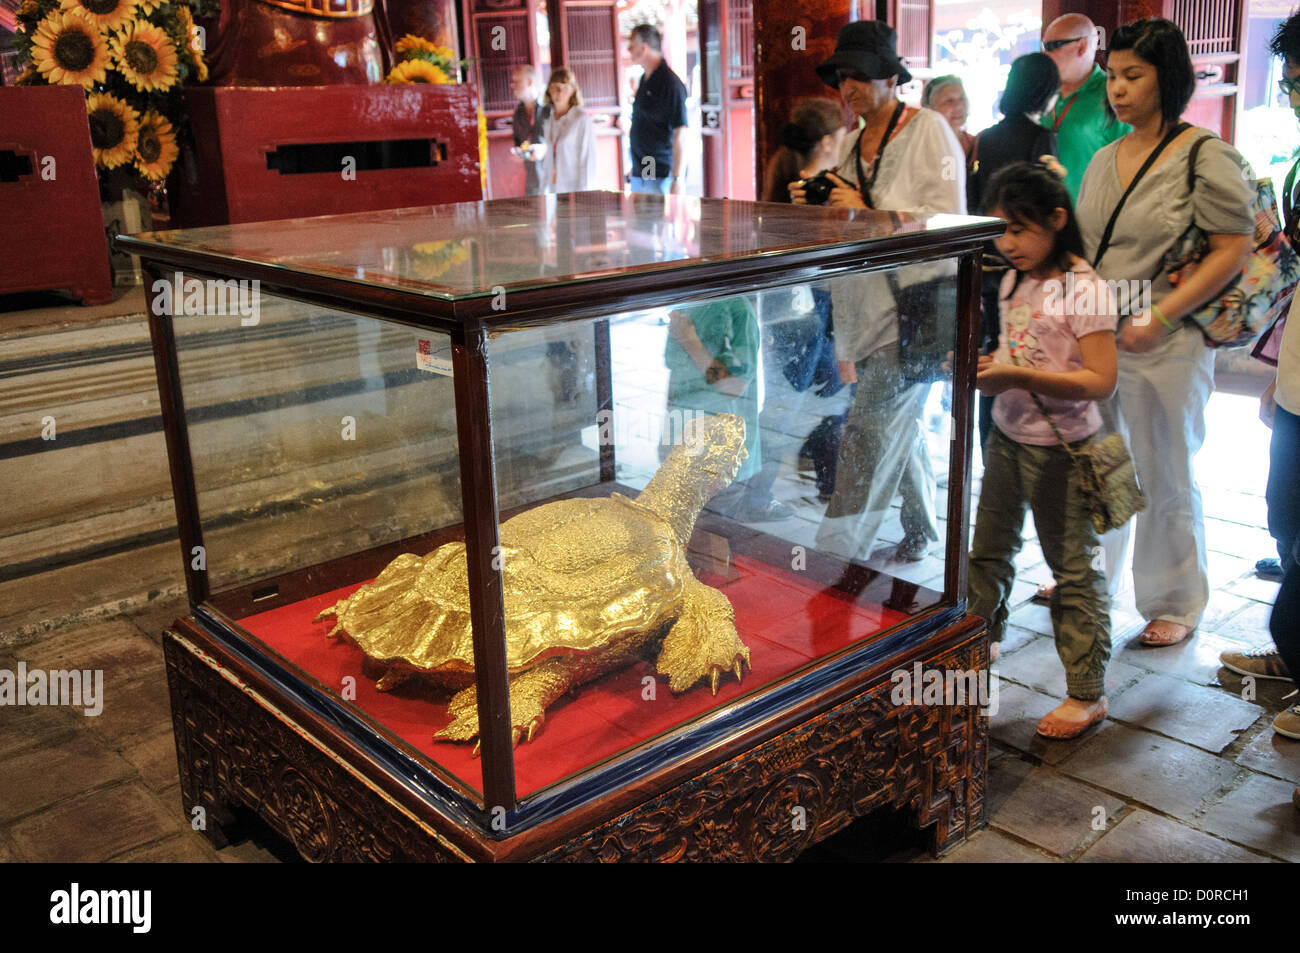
[[785, 621]]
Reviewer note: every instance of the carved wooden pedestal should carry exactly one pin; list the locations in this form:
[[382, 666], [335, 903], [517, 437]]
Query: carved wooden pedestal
[[239, 746]]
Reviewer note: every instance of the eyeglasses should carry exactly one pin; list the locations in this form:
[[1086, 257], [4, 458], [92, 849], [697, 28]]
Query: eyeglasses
[[842, 74], [1289, 86], [1050, 46]]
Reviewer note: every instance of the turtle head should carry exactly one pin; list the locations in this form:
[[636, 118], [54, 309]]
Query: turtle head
[[715, 447]]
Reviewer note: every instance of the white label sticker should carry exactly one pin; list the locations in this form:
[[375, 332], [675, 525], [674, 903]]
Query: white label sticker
[[426, 360]]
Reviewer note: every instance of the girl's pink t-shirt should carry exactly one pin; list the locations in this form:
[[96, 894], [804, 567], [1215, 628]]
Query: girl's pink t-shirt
[[1042, 322]]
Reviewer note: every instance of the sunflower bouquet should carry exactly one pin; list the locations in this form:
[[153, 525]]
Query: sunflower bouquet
[[131, 57], [421, 61]]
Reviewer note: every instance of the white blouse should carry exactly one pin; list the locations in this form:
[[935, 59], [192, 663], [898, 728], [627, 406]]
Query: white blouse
[[569, 164]]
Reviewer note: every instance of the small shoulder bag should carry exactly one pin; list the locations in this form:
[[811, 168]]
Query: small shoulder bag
[[1107, 477]]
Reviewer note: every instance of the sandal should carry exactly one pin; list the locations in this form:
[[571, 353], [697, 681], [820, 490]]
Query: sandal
[[1061, 729], [1163, 632]]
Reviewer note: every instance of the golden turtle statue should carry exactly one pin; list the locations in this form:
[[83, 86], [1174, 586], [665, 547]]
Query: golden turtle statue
[[590, 585]]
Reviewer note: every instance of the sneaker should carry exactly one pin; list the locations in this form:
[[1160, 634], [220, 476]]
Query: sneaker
[[913, 548], [1261, 663], [1270, 569], [768, 512], [1287, 723]]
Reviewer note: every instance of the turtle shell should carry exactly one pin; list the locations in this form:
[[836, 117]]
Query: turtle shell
[[578, 575]]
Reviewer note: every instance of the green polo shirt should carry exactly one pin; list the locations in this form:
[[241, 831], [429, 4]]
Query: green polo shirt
[[1085, 128]]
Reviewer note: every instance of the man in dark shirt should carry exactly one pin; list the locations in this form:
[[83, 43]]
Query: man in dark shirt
[[527, 124], [658, 129]]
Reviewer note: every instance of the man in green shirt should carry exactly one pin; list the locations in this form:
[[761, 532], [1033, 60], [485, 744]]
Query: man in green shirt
[[1079, 119]]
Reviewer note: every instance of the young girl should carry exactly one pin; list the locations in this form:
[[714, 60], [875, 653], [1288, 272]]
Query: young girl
[[1057, 341]]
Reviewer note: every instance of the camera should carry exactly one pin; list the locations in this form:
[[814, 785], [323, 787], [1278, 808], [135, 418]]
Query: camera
[[817, 188]]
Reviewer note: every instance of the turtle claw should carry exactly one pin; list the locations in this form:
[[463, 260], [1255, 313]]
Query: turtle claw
[[737, 670], [715, 679], [474, 753]]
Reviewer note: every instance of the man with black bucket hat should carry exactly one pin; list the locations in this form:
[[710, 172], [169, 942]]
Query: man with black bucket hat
[[905, 160]]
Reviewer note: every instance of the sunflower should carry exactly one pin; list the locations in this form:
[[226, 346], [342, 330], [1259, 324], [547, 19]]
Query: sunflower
[[413, 42], [28, 10], [416, 71], [68, 49], [185, 22], [114, 129], [156, 148], [146, 7], [145, 56], [106, 14]]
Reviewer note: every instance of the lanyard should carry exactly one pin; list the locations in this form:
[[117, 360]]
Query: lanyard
[[1060, 118], [880, 154]]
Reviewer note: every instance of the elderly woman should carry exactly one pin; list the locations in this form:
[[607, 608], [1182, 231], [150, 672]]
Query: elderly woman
[[907, 160], [1166, 373], [947, 96], [569, 164]]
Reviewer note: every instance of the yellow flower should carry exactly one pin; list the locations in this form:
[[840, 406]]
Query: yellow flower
[[202, 68], [68, 49], [28, 76], [156, 148], [148, 6], [413, 42], [28, 9], [416, 71], [106, 14], [145, 56], [114, 129]]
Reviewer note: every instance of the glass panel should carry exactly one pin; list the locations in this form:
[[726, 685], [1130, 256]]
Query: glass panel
[[324, 446], [748, 482], [451, 252]]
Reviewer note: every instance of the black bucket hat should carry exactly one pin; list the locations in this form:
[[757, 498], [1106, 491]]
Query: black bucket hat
[[869, 47]]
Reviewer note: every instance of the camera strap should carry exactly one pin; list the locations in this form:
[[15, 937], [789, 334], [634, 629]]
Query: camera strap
[[880, 154]]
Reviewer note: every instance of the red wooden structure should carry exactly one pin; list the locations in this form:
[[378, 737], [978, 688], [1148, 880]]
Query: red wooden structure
[[290, 152], [49, 195]]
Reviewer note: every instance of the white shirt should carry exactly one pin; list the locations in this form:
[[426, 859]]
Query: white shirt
[[569, 164], [923, 171]]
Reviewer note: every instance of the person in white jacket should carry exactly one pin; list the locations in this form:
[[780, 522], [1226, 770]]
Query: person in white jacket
[[569, 164], [905, 160]]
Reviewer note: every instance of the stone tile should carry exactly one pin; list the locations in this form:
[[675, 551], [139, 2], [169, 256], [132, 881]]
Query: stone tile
[[117, 648], [155, 759], [1006, 774], [1039, 667], [95, 827], [1258, 814], [8, 853], [1015, 724], [994, 847], [134, 710], [1270, 694], [1249, 626], [1014, 639], [1252, 587], [1222, 606], [188, 848], [1052, 812], [38, 778], [1224, 569], [1246, 509], [34, 726], [1247, 542], [1034, 617], [152, 619], [1150, 839], [1199, 715], [1196, 658], [1273, 754], [1167, 775]]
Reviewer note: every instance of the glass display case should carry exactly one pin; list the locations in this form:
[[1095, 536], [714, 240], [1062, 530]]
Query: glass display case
[[519, 518]]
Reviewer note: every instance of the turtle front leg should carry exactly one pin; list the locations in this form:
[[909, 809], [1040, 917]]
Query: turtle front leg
[[531, 692], [703, 643]]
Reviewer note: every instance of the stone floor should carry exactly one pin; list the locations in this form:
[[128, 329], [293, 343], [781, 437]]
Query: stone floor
[[1186, 768]]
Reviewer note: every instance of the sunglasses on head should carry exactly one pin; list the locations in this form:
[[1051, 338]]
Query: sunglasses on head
[[1050, 46]]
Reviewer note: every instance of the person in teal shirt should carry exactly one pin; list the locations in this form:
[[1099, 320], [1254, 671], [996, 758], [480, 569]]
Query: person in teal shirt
[[1079, 119], [713, 359]]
